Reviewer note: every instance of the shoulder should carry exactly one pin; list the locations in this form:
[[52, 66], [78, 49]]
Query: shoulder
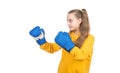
[[90, 37]]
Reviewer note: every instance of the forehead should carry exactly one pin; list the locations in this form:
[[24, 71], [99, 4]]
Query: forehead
[[71, 16]]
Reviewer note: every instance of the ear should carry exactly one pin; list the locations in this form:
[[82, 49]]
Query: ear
[[80, 20]]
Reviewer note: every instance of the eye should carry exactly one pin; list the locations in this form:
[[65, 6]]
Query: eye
[[70, 20]]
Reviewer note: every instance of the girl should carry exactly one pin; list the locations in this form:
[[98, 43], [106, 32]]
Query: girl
[[77, 45]]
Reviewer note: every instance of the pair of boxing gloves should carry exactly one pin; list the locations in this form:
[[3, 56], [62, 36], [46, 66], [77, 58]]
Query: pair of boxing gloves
[[62, 39]]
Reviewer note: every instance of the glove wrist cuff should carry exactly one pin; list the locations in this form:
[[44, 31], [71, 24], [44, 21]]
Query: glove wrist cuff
[[69, 46], [41, 41]]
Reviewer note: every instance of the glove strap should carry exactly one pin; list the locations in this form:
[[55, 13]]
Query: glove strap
[[41, 41]]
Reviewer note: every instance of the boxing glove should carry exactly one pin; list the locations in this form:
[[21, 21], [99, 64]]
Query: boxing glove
[[63, 39], [38, 34]]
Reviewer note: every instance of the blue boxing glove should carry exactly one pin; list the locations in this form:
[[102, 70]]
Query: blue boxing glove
[[63, 39], [59, 39], [38, 34]]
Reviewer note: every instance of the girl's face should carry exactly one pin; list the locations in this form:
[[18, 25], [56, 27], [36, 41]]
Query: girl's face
[[73, 22]]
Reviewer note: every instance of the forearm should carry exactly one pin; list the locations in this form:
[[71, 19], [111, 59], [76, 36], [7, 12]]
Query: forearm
[[81, 53], [50, 47], [85, 50]]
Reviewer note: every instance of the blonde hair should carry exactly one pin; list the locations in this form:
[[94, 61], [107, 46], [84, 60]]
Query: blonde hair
[[84, 26]]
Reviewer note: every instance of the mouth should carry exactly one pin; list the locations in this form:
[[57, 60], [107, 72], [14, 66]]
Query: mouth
[[70, 27]]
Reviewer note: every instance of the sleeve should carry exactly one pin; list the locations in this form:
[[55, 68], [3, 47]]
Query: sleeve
[[50, 47], [85, 50]]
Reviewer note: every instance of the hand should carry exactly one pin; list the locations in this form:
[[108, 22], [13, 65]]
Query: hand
[[38, 34], [63, 39]]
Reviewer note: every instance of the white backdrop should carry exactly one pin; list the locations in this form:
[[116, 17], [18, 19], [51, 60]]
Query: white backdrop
[[19, 53]]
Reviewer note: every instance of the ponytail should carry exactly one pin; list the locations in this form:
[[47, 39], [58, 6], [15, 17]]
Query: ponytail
[[84, 25], [84, 28]]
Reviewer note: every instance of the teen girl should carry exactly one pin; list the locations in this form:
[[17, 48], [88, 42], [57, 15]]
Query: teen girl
[[77, 44]]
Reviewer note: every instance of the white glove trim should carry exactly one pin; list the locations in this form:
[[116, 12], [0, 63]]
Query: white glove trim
[[41, 36]]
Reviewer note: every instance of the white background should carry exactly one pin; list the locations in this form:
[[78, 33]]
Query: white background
[[19, 53]]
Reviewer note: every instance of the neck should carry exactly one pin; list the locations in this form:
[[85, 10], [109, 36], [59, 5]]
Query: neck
[[77, 32]]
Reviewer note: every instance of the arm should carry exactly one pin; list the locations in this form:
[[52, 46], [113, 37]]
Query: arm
[[39, 35], [50, 47], [85, 51]]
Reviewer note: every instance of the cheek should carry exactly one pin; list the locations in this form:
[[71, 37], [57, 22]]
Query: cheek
[[76, 24]]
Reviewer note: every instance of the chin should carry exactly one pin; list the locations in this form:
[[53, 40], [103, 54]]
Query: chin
[[71, 30]]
